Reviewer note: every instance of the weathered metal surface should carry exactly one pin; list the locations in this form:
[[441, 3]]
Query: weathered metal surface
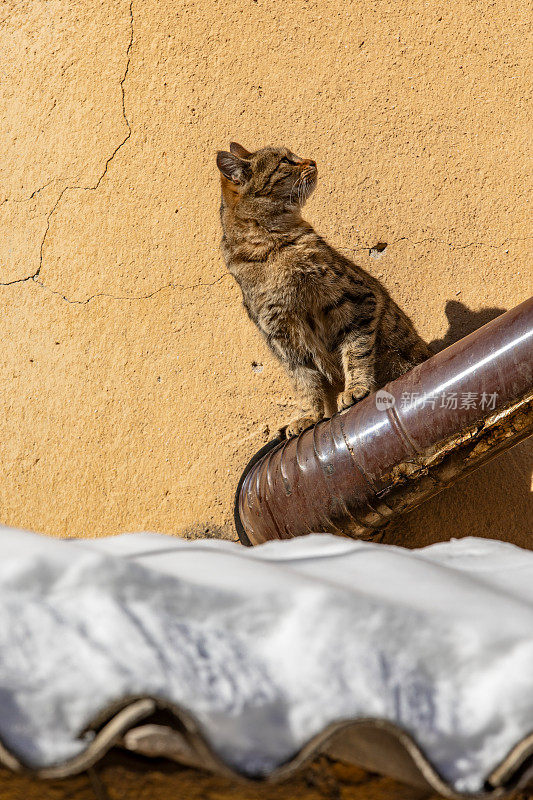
[[159, 729], [353, 473]]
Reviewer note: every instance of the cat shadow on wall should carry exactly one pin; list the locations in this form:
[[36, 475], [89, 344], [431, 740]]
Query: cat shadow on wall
[[495, 501], [462, 321]]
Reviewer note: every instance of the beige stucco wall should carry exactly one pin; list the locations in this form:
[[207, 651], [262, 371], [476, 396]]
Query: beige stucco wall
[[130, 399]]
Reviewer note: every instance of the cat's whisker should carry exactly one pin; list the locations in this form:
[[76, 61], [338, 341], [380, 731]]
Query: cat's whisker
[[303, 189], [295, 184]]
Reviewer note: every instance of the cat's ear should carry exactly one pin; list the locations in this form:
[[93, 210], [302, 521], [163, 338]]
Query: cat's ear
[[232, 167], [239, 150]]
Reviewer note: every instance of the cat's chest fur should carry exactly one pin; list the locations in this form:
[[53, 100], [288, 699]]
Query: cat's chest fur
[[280, 297], [283, 296]]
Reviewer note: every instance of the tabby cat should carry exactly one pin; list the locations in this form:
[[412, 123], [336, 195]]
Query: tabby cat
[[333, 326]]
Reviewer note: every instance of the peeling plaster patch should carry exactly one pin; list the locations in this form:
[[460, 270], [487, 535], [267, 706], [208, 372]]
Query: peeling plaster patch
[[377, 250]]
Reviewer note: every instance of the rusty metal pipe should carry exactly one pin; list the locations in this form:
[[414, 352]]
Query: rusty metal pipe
[[353, 473]]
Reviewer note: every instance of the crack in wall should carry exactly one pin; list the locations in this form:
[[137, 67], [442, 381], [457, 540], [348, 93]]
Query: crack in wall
[[35, 275], [451, 245], [183, 287], [130, 297]]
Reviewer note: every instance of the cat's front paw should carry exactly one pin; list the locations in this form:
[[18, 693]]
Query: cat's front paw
[[353, 395], [299, 424]]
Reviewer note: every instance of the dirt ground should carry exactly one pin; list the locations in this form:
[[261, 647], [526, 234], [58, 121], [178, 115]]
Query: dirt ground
[[134, 387], [128, 779], [123, 777]]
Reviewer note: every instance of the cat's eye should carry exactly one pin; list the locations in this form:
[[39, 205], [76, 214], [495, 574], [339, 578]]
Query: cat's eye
[[285, 160]]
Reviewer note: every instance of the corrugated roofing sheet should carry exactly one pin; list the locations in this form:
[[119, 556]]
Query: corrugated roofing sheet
[[418, 664]]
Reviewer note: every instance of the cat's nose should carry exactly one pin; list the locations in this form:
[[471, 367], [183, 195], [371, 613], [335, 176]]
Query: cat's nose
[[309, 163]]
